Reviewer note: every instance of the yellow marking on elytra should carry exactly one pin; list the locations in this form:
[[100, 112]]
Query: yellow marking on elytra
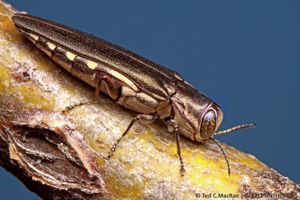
[[33, 36], [91, 64], [70, 55], [124, 79], [178, 76], [51, 46]]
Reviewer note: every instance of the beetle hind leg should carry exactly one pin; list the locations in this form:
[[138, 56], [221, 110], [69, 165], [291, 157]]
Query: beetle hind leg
[[67, 109], [106, 85]]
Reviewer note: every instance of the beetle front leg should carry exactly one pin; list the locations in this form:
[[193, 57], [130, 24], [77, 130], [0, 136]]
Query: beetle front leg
[[172, 126], [182, 170], [143, 118]]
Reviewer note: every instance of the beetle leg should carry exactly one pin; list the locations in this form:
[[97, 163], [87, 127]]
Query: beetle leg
[[179, 151], [172, 126], [110, 87], [97, 91], [145, 119]]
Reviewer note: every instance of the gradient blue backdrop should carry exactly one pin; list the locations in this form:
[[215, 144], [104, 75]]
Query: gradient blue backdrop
[[244, 51]]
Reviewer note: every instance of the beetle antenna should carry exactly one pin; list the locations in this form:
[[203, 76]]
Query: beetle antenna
[[236, 128], [228, 166], [246, 126]]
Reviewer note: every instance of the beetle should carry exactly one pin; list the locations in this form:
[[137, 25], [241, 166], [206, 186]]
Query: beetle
[[129, 79]]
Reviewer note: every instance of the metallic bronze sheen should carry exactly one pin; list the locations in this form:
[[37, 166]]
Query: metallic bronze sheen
[[189, 106], [131, 80], [156, 79]]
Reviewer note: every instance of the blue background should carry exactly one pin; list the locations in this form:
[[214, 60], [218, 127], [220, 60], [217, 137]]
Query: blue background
[[246, 52]]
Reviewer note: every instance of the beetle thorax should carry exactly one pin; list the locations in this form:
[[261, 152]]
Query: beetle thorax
[[197, 116]]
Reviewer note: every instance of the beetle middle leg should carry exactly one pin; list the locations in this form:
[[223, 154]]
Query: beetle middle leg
[[143, 118]]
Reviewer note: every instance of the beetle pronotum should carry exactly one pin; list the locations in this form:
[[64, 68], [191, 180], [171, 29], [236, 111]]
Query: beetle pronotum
[[131, 80]]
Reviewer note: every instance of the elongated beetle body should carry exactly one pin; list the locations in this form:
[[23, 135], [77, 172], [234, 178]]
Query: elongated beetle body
[[131, 80]]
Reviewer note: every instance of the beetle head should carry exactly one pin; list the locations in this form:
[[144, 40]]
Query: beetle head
[[196, 115], [209, 121]]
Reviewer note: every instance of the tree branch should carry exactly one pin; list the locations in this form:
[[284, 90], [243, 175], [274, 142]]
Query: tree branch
[[59, 155]]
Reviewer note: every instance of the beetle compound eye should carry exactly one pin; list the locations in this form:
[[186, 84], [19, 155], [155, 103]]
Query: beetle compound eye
[[208, 125]]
